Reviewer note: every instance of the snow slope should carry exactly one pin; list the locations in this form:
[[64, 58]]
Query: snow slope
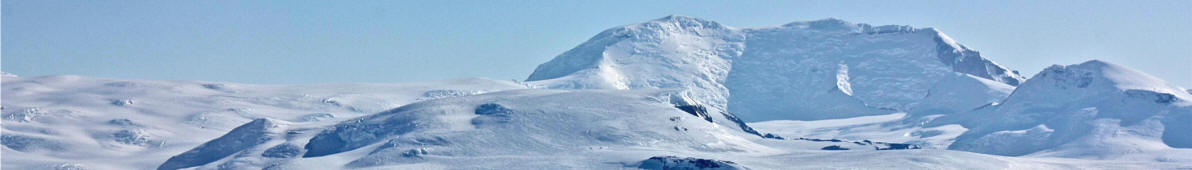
[[137, 124], [670, 52], [549, 129], [522, 123], [654, 95], [895, 127], [1092, 110], [489, 124], [768, 73], [606, 129]]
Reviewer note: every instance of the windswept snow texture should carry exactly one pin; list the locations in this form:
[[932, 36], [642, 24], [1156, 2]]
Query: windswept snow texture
[[770, 73], [241, 138], [553, 124], [75, 126], [1093, 110], [607, 129], [56, 121]]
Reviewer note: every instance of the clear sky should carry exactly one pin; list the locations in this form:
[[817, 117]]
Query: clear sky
[[291, 42]]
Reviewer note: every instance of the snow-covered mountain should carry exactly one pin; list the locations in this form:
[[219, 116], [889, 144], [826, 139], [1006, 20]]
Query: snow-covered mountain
[[1093, 110], [71, 122], [655, 95], [770, 73]]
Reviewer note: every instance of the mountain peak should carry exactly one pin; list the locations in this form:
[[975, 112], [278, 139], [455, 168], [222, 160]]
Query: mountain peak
[[1114, 100], [1088, 71], [681, 22], [1090, 65], [1097, 76], [674, 17], [870, 68], [1096, 62]]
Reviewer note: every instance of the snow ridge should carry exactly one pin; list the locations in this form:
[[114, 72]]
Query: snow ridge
[[241, 138]]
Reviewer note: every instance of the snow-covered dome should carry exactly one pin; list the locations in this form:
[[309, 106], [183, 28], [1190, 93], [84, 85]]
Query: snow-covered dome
[[1094, 110]]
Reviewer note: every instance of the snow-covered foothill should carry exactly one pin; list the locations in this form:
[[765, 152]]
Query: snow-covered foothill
[[102, 123], [1094, 110], [518, 128], [529, 122], [607, 129]]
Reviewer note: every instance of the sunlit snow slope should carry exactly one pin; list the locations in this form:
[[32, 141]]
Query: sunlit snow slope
[[655, 95], [64, 121], [770, 73], [1092, 110], [457, 124]]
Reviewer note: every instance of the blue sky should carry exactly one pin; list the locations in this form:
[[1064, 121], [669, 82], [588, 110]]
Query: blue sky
[[287, 42]]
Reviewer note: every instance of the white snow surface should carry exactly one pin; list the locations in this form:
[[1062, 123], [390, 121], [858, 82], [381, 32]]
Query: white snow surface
[[137, 124], [836, 92], [1092, 110], [768, 73], [75, 125], [894, 127]]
